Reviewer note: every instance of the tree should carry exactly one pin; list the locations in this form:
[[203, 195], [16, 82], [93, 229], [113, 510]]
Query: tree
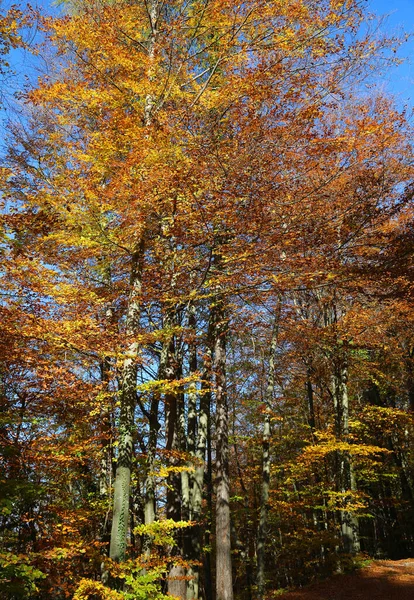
[[188, 164]]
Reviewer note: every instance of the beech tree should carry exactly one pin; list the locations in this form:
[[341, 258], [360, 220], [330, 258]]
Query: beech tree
[[202, 220]]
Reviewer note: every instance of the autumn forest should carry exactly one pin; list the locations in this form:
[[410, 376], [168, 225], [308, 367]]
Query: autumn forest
[[206, 294]]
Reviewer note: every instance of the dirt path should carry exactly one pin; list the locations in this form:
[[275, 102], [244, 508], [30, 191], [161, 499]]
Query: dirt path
[[382, 580]]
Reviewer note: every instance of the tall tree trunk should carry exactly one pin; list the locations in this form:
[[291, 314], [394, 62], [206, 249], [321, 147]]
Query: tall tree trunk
[[409, 361], [119, 532], [348, 521], [198, 479], [311, 404], [120, 519], [208, 578], [178, 583], [106, 467], [149, 498], [224, 579], [106, 470], [243, 545], [261, 533], [196, 446], [349, 525], [319, 515], [174, 441]]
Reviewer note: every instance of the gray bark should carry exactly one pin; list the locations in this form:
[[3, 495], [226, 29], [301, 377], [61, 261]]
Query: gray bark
[[261, 533], [189, 479], [120, 519], [348, 521], [105, 474], [208, 578], [349, 525], [198, 479], [311, 405], [174, 443], [224, 580], [149, 501]]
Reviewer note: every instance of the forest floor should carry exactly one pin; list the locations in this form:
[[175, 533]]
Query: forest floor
[[382, 580]]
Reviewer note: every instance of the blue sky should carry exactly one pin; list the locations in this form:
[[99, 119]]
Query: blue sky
[[399, 80]]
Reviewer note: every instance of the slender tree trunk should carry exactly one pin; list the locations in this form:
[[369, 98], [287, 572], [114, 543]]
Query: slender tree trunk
[[406, 470], [224, 579], [319, 515], [348, 521], [105, 475], [196, 445], [410, 378], [311, 404], [174, 442], [198, 482], [192, 391], [349, 525], [120, 519], [208, 578], [261, 533], [178, 585], [149, 499], [243, 545]]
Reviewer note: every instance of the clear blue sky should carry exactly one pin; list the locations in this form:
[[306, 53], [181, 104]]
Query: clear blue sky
[[400, 80]]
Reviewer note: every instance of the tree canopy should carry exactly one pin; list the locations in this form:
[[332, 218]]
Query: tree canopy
[[207, 350]]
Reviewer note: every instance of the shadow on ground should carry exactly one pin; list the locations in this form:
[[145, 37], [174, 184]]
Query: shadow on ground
[[382, 580]]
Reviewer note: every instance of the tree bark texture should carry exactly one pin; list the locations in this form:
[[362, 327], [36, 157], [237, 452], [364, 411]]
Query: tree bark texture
[[198, 481], [224, 580], [348, 521], [120, 519], [261, 533], [173, 400]]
